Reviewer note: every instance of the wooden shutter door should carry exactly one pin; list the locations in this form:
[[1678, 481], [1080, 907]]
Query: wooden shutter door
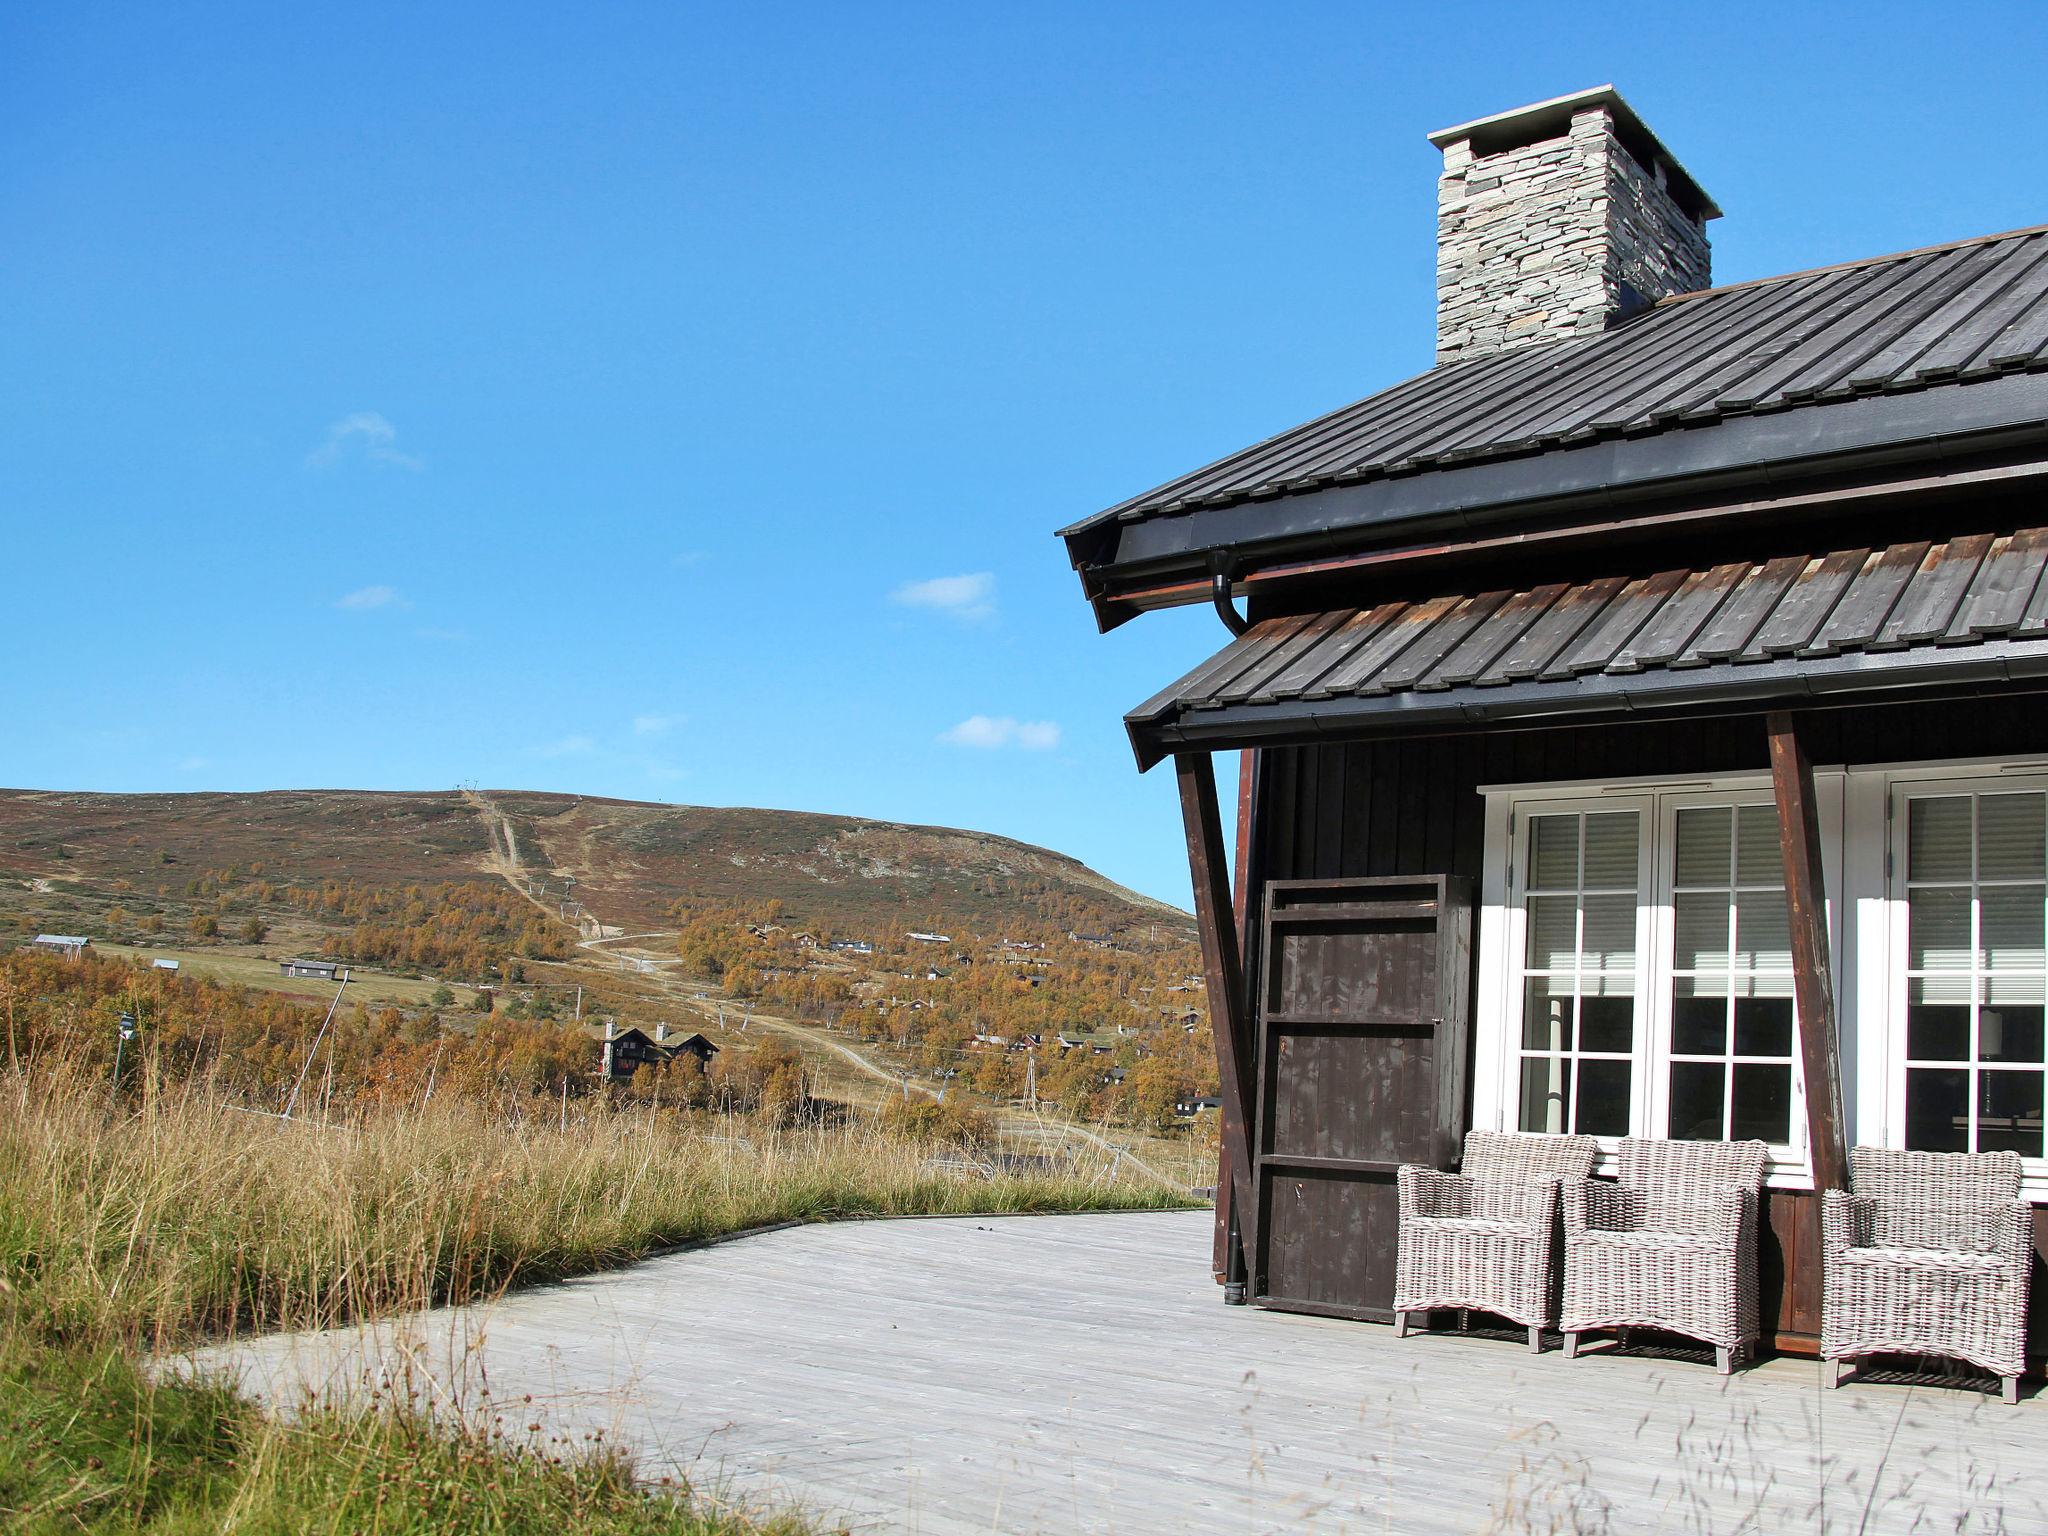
[[1362, 1023]]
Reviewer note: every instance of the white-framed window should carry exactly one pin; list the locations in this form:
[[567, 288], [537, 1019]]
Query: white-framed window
[[1679, 1020], [1647, 987], [1581, 997], [1968, 905]]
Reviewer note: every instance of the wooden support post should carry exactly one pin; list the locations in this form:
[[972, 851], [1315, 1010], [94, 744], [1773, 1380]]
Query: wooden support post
[[1247, 788], [1812, 981], [1222, 980]]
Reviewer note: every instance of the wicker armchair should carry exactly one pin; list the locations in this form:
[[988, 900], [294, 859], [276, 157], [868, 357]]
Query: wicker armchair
[[1482, 1237], [1928, 1254], [1670, 1244]]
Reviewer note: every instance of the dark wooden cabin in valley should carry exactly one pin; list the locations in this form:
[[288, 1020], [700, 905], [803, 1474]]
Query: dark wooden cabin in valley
[[1642, 716]]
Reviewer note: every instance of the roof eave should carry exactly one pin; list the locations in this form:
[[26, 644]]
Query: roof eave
[[1732, 689], [1727, 458]]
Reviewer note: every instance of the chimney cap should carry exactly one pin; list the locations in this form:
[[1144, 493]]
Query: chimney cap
[[1553, 118]]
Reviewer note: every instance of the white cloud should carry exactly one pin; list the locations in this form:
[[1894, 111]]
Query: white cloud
[[365, 598], [568, 746], [369, 432], [970, 598], [655, 725], [990, 732]]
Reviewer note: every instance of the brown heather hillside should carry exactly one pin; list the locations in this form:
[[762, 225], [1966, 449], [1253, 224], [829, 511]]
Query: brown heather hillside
[[70, 854]]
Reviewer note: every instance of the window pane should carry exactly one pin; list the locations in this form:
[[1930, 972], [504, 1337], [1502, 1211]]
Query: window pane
[[2009, 1112], [1763, 1027], [1611, 845], [1701, 921], [1699, 1018], [2010, 1034], [1696, 1090], [1763, 935], [2012, 991], [1759, 860], [1938, 1109], [1607, 1024], [2009, 926], [1610, 934], [1553, 933], [1938, 930], [1763, 1103], [1937, 1031], [1546, 1094], [1938, 838], [1703, 846], [1547, 1016], [2010, 837], [1603, 1098], [1554, 853]]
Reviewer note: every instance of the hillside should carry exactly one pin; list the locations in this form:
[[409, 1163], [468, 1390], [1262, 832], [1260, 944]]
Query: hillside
[[72, 853]]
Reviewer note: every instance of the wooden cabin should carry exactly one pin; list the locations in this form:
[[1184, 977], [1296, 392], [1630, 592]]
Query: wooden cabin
[[631, 1048], [1642, 718]]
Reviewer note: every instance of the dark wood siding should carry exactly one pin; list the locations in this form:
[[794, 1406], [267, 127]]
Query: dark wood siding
[[1411, 807]]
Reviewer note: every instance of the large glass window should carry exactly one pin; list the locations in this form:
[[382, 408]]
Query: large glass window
[[1732, 1026], [1976, 896], [1579, 970], [1654, 987]]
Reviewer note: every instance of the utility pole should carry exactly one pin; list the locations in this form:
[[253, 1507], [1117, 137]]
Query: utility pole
[[1031, 1078]]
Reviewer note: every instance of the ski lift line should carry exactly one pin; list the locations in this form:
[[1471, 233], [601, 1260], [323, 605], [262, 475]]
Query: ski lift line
[[292, 1103]]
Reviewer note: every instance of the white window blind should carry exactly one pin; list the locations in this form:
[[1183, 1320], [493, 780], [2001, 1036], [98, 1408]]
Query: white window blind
[[1976, 892]]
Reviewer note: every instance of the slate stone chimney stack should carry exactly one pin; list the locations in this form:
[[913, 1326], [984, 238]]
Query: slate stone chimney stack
[[1558, 220]]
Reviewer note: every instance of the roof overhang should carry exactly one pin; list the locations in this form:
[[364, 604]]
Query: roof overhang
[[1130, 564], [1966, 615]]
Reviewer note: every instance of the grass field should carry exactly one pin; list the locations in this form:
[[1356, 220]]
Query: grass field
[[250, 969], [130, 1230]]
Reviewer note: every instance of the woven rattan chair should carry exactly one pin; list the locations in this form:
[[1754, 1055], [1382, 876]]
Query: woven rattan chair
[[1671, 1244], [1927, 1254], [1481, 1238]]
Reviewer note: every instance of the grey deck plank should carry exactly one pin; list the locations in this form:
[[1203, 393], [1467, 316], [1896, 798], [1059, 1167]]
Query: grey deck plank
[[1081, 1374]]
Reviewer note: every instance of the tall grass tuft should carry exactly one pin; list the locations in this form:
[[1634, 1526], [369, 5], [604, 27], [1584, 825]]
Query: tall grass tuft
[[132, 1228]]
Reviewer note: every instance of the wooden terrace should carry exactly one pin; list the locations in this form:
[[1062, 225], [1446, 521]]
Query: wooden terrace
[[1075, 1374]]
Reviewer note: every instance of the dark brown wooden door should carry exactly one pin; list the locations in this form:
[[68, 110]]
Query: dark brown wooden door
[[1362, 1014]]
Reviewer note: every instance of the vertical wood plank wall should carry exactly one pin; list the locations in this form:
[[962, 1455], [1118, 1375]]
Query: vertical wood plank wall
[[1412, 807]]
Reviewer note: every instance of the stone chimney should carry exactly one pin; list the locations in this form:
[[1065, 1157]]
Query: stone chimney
[[1558, 220]]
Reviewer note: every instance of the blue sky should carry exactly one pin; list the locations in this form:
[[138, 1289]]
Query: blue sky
[[677, 402]]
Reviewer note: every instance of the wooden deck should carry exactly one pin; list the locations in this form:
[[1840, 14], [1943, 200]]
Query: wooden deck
[[1081, 1373]]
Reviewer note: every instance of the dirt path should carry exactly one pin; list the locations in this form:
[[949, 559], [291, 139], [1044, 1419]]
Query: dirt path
[[1033, 1127]]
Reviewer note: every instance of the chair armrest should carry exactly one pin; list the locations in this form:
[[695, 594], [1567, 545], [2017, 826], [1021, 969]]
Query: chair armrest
[[1724, 1214], [1844, 1221], [1427, 1192], [1596, 1205], [2015, 1230]]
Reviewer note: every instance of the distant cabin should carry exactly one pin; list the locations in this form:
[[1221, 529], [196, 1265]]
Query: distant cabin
[[70, 945], [164, 965], [633, 1048], [316, 970], [930, 938]]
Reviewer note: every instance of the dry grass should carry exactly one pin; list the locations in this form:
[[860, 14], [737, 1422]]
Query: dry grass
[[134, 1228]]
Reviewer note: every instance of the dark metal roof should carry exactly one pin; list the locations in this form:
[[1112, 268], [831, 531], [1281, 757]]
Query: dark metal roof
[[1924, 320], [1971, 609]]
